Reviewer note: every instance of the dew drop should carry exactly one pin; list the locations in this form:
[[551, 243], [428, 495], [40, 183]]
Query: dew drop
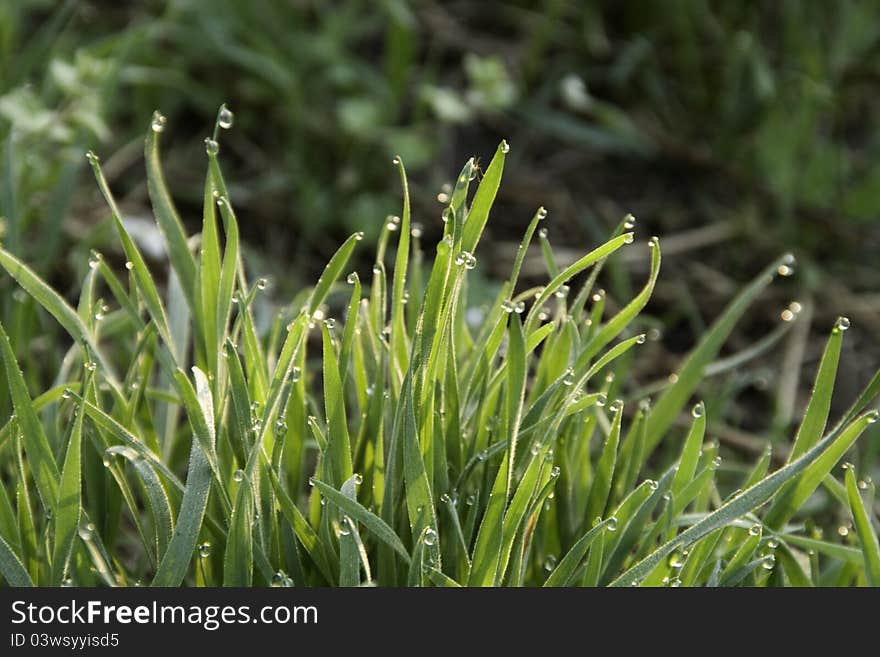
[[550, 563], [345, 526], [602, 399], [716, 463], [698, 410], [651, 484], [225, 118], [768, 562], [616, 406], [871, 416], [628, 238], [358, 479], [755, 529], [505, 147], [95, 259], [66, 583], [843, 530], [773, 543], [91, 366], [393, 223], [842, 323], [562, 292], [279, 578], [568, 380], [554, 473], [204, 550], [158, 122], [542, 213], [430, 536], [543, 233], [395, 160], [629, 222], [641, 338], [238, 476], [211, 146], [92, 157], [416, 230], [67, 393], [784, 270], [330, 323], [86, 530], [262, 283], [612, 524], [295, 374], [446, 215], [675, 560], [359, 235]]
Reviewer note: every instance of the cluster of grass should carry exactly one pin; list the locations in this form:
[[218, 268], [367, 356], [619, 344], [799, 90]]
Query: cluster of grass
[[400, 444]]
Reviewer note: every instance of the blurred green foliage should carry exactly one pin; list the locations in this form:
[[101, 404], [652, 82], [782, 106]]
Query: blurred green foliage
[[778, 98]]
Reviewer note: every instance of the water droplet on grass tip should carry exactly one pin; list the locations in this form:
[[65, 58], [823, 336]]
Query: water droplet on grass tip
[[66, 583], [842, 323], [86, 531], [416, 230], [92, 157], [211, 146], [238, 476], [773, 543], [352, 278], [358, 478], [768, 562], [395, 160], [543, 233], [446, 215], [843, 530], [628, 238], [345, 526], [755, 529], [602, 399], [871, 416], [158, 122], [651, 484], [204, 550], [262, 283], [95, 259], [330, 323], [91, 366], [430, 537], [640, 339], [698, 410], [550, 563], [562, 292], [629, 222], [67, 393], [616, 406], [225, 117], [542, 213], [505, 147], [569, 377], [359, 235], [393, 223]]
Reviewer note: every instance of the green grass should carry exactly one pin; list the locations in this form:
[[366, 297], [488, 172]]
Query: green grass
[[370, 434]]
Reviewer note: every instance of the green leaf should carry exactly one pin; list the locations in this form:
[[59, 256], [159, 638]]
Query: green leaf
[[175, 562], [378, 527], [36, 445], [168, 220], [867, 534], [749, 499]]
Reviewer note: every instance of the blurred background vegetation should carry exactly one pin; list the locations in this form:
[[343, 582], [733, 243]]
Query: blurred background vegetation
[[735, 131]]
